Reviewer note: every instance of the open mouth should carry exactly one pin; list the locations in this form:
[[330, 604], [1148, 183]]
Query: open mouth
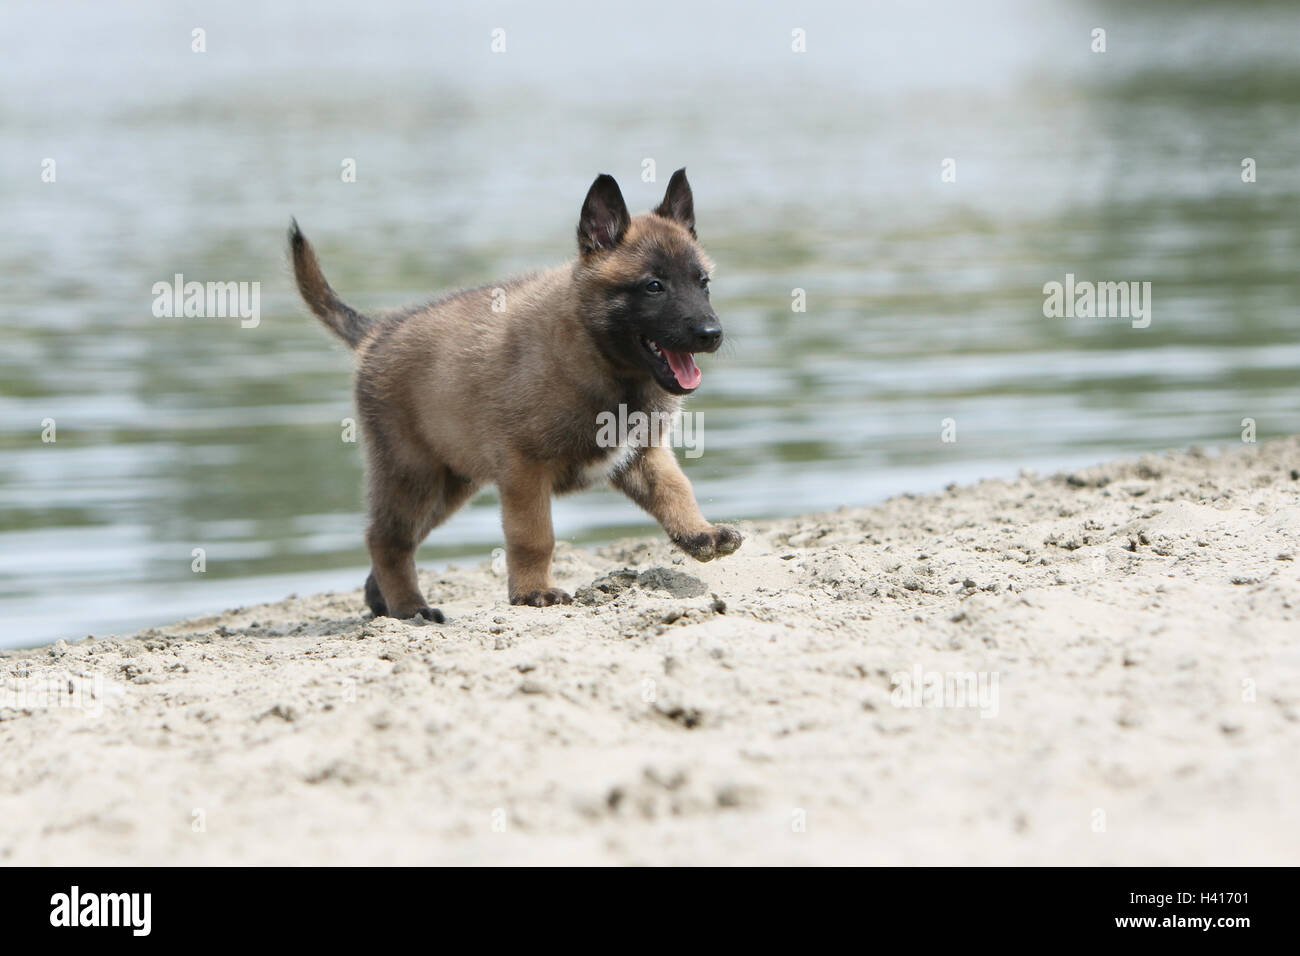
[[676, 370]]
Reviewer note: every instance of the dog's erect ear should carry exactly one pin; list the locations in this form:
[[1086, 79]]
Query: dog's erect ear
[[679, 204], [604, 216]]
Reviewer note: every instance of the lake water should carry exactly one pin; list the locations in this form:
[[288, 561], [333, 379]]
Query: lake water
[[820, 171]]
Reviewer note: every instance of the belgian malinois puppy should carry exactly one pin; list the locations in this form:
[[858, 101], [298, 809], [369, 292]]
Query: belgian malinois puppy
[[505, 385]]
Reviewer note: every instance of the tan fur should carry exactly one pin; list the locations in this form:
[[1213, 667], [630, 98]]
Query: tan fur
[[454, 396]]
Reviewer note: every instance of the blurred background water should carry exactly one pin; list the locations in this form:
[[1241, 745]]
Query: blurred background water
[[816, 170]]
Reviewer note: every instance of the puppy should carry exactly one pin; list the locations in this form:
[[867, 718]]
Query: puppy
[[506, 385]]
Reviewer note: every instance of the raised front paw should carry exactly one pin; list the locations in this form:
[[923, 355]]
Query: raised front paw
[[717, 541], [542, 597]]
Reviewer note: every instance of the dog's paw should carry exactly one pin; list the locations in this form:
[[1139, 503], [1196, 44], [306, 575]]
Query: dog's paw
[[375, 598], [542, 597], [719, 540], [418, 615]]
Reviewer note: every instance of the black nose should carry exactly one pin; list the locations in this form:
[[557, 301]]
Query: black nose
[[707, 338]]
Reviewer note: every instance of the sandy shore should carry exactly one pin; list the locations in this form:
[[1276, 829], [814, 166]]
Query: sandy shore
[[1102, 667]]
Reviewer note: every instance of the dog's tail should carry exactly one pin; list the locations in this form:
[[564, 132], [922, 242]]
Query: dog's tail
[[341, 319]]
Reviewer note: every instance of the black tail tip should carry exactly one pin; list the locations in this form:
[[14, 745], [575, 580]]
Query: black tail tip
[[295, 234]]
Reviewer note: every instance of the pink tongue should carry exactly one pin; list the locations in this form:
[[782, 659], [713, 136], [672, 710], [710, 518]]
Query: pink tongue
[[684, 368]]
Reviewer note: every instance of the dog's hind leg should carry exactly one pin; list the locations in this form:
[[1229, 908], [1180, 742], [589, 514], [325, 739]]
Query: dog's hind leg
[[404, 507]]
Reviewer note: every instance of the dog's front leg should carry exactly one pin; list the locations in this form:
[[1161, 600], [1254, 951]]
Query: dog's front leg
[[654, 480], [530, 540]]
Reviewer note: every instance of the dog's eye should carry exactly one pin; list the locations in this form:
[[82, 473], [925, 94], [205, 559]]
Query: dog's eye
[[654, 287], [704, 282]]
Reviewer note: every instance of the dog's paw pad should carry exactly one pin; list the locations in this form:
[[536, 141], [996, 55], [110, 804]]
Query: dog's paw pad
[[542, 597], [717, 541], [726, 539]]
